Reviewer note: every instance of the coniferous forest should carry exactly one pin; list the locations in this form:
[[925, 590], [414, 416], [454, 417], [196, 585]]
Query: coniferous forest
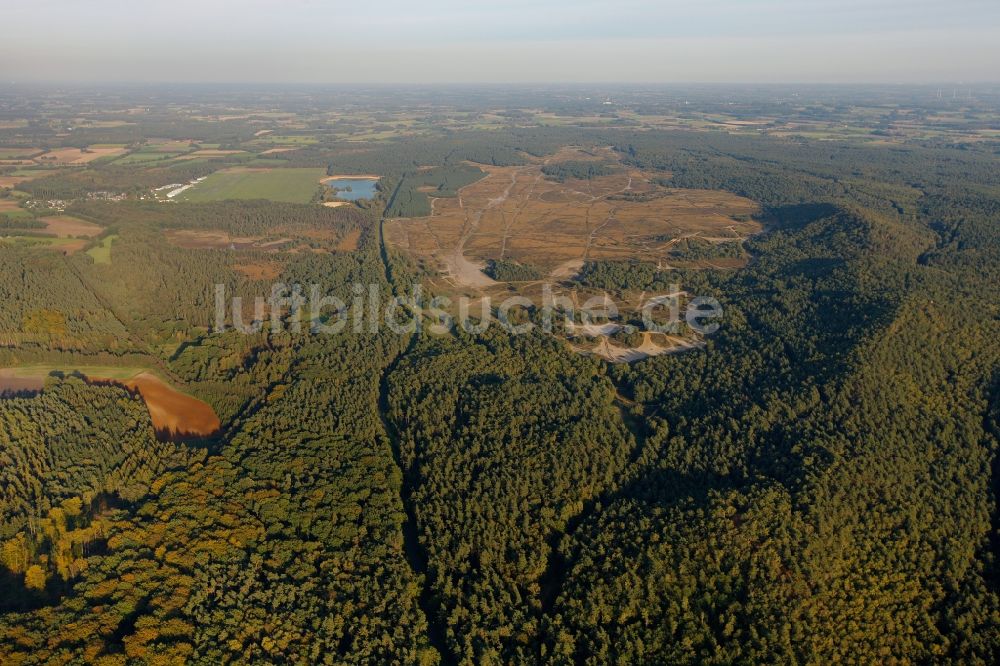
[[814, 483]]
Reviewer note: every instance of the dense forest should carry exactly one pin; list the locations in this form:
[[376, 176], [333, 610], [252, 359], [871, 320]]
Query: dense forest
[[506, 270], [579, 170], [817, 484]]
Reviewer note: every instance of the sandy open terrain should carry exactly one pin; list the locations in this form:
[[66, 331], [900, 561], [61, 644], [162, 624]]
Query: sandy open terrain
[[649, 348], [190, 239], [516, 213], [294, 239]]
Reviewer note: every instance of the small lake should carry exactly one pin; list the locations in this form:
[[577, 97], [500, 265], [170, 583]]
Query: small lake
[[353, 189]]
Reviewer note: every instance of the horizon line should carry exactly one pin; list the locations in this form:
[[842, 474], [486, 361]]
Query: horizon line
[[53, 82]]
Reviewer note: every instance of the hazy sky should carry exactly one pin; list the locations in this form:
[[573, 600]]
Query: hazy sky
[[500, 40]]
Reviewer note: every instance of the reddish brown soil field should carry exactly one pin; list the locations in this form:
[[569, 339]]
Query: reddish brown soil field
[[260, 271], [174, 413], [66, 226]]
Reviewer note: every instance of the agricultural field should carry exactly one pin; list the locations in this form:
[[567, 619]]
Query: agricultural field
[[13, 180], [9, 206], [167, 146], [174, 414], [283, 185], [145, 157], [19, 153], [210, 152], [294, 140], [66, 226], [78, 156]]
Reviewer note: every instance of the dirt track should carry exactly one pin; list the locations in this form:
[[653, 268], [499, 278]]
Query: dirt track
[[516, 213]]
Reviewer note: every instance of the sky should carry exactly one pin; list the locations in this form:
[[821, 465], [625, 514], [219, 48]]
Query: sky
[[500, 41]]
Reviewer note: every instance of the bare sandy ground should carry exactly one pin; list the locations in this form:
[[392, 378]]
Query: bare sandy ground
[[348, 176], [568, 269], [594, 330], [464, 272], [647, 349]]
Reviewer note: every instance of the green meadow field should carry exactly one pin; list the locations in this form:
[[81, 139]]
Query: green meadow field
[[145, 157], [287, 185], [102, 252]]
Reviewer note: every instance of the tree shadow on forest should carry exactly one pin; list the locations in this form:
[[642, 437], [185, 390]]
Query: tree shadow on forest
[[656, 487], [993, 432], [17, 597], [794, 216]]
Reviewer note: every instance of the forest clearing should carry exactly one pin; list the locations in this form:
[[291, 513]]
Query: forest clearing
[[175, 415]]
